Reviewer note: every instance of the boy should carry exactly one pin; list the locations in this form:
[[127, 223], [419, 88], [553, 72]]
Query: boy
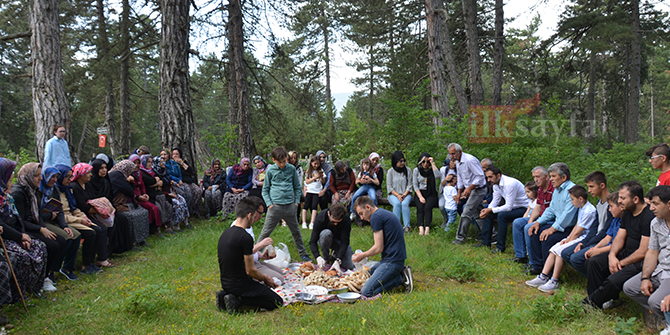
[[450, 199], [659, 157], [281, 192], [585, 218], [596, 182]]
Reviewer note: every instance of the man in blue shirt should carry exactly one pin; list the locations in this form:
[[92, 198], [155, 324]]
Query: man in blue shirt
[[56, 150], [556, 222], [389, 238]]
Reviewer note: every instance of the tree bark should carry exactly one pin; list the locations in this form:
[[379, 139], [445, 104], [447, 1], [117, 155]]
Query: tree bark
[[474, 60], [237, 59], [50, 106], [176, 115], [326, 55], [233, 110], [452, 69], [498, 53], [438, 85], [631, 126], [103, 68], [80, 146], [591, 98], [124, 87]]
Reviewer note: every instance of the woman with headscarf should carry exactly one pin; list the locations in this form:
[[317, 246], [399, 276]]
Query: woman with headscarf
[[399, 187], [143, 198], [189, 185], [258, 177], [377, 169], [94, 233], [342, 183], [120, 235], [27, 205], [294, 160], [424, 179], [239, 182], [214, 183], [179, 206], [154, 187], [125, 200], [28, 255]]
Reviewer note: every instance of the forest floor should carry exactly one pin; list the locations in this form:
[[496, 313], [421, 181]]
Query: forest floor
[[169, 288]]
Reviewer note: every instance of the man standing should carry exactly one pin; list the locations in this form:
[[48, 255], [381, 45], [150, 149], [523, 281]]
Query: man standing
[[236, 265], [653, 284], [471, 184], [607, 273], [516, 202], [56, 150], [520, 226], [556, 222], [332, 229], [389, 240]]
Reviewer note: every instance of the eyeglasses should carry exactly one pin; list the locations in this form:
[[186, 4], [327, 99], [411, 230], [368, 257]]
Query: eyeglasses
[[653, 157], [245, 164], [259, 212], [402, 160]]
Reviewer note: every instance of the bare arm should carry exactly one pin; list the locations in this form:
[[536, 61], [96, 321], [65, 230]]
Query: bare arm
[[254, 273], [377, 248], [639, 254]]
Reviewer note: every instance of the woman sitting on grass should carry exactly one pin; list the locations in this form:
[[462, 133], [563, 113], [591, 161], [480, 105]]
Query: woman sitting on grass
[[154, 188], [180, 212], [189, 182], [239, 182], [214, 183], [143, 198], [125, 201]]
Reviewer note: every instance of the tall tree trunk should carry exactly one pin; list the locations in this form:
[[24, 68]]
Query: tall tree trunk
[[244, 125], [452, 69], [233, 109], [326, 55], [103, 66], [371, 92], [438, 85], [591, 98], [176, 115], [80, 146], [633, 113], [474, 60], [124, 89], [498, 54], [50, 106]]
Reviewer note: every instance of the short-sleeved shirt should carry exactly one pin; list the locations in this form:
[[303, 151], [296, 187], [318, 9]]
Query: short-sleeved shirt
[[636, 227], [664, 178], [544, 197], [449, 193], [234, 244], [586, 217], [394, 237], [613, 229], [660, 240]]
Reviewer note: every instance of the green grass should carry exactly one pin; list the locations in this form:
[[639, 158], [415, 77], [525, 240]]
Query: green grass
[[169, 288]]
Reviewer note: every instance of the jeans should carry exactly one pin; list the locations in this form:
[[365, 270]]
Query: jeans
[[539, 250], [451, 217], [503, 219], [286, 212], [384, 276], [519, 235], [327, 243], [368, 189], [576, 259], [401, 208]]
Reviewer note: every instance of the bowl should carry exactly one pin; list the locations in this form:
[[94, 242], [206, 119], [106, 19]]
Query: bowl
[[294, 267], [338, 290], [349, 297]]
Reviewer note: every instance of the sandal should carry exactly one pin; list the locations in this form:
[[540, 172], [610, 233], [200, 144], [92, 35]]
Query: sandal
[[106, 264]]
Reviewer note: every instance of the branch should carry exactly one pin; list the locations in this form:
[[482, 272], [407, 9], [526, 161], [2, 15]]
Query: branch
[[15, 36]]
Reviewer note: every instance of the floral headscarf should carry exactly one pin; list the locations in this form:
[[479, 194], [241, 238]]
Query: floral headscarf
[[238, 171], [211, 171], [125, 166], [7, 166], [80, 169], [47, 174], [265, 164], [144, 159], [25, 179]]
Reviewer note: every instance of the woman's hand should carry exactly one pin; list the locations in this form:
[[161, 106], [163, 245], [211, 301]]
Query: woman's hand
[[143, 197], [260, 184], [421, 199], [209, 188], [336, 197], [68, 231], [85, 221], [347, 196], [25, 241], [130, 179], [53, 215]]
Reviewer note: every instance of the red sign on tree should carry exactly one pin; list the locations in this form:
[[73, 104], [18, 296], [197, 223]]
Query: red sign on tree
[[102, 140]]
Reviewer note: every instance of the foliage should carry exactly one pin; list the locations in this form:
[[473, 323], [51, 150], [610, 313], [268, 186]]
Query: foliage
[[220, 138], [557, 308], [148, 299], [624, 327], [463, 271]]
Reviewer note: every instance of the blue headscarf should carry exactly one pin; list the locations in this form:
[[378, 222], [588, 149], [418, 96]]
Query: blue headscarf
[[63, 170], [47, 174]]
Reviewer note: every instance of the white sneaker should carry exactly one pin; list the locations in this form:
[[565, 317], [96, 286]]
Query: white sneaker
[[407, 279], [48, 286], [304, 225], [352, 216], [537, 282], [665, 331], [549, 286], [311, 226]]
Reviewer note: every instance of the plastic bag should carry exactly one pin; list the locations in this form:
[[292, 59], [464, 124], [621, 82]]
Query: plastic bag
[[283, 257], [359, 265]]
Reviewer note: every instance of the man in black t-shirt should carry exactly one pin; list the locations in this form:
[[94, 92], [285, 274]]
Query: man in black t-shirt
[[236, 264], [332, 229], [608, 272]]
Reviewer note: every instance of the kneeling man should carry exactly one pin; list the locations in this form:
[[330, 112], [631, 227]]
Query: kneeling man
[[332, 229]]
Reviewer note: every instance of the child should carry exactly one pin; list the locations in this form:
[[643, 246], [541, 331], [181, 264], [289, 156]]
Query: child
[[314, 181], [450, 200], [531, 192], [596, 182], [585, 219], [367, 179], [606, 243], [281, 192]]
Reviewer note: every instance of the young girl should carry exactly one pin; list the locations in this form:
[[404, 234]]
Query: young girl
[[531, 192], [314, 181], [367, 179]]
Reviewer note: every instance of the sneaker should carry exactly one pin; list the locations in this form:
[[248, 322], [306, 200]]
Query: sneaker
[[481, 245], [407, 279], [89, 270], [458, 242], [352, 216], [665, 331], [232, 303], [612, 304], [304, 225], [549, 286], [96, 268], [311, 226], [68, 274], [307, 259], [537, 282], [48, 286], [220, 301]]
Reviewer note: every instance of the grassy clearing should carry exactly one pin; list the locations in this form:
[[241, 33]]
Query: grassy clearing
[[169, 288]]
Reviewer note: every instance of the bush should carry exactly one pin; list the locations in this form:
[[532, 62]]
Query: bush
[[556, 308], [463, 271], [148, 299]]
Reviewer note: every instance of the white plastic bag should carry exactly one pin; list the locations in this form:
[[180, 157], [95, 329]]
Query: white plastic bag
[[283, 256]]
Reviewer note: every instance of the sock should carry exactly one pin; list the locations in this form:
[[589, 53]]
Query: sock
[[554, 280], [543, 276]]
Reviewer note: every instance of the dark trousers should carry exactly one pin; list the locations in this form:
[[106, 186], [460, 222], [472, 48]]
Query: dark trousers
[[55, 250], [542, 248], [602, 285], [504, 219], [95, 241], [576, 259], [255, 294], [424, 212]]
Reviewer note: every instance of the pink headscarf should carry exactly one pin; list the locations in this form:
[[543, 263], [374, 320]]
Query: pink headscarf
[[80, 169]]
